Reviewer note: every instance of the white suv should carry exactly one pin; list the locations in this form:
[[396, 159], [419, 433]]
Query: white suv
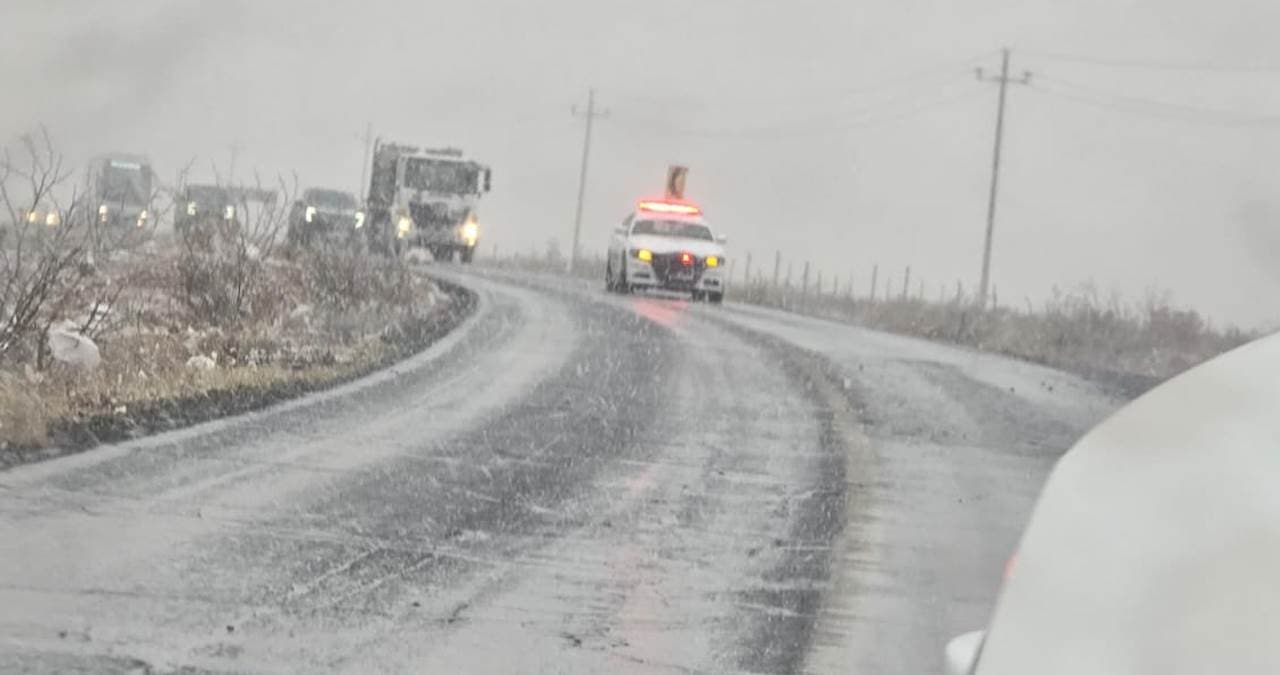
[[666, 244]]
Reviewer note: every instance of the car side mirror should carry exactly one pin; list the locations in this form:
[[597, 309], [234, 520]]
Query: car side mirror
[[963, 651], [721, 239]]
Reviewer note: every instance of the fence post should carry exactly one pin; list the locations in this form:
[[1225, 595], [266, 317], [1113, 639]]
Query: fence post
[[804, 286], [875, 274], [920, 294], [777, 267], [746, 273], [906, 282], [888, 289], [817, 287]]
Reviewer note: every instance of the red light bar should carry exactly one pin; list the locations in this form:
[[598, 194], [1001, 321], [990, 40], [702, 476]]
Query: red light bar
[[686, 259], [669, 207]]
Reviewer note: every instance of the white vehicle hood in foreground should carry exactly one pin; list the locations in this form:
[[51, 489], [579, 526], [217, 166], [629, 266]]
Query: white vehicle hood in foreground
[[659, 244], [1155, 546]]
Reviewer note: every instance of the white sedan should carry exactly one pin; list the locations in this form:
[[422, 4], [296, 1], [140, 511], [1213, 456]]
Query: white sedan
[[667, 245], [1155, 545]]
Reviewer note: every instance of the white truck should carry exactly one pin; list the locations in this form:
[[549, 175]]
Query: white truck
[[120, 189], [427, 198]]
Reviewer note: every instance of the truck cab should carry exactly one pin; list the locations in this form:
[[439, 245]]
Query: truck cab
[[120, 189], [426, 198]]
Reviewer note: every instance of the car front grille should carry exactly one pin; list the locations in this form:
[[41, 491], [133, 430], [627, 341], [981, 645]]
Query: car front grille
[[669, 271]]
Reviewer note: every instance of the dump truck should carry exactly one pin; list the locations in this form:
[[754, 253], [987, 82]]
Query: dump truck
[[426, 198]]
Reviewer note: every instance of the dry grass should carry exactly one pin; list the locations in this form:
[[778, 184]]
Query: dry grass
[[1134, 345], [1109, 339], [331, 317]]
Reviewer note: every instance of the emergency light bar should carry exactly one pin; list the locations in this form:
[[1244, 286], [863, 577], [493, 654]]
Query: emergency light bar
[[669, 207]]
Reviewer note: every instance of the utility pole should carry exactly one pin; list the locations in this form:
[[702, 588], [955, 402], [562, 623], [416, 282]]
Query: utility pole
[[591, 115], [1003, 80], [362, 192]]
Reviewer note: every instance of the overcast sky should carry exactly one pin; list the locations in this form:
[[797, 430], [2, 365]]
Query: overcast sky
[[845, 133]]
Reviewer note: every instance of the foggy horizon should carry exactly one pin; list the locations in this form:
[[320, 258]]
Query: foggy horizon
[[1134, 160]]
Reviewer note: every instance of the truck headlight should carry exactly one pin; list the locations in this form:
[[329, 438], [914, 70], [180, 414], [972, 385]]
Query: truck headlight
[[53, 219], [191, 208], [311, 213], [229, 212], [359, 219], [102, 213], [33, 216], [471, 232], [142, 218], [403, 226]]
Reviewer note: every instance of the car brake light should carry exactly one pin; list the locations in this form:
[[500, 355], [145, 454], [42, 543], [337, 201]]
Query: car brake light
[[686, 259], [670, 207]]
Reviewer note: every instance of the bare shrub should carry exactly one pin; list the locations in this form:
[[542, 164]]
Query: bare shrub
[[222, 261], [342, 278], [42, 245]]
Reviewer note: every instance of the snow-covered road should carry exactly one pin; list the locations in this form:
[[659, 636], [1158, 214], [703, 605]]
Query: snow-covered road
[[571, 482]]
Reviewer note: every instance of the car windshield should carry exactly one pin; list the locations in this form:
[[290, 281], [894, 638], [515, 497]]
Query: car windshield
[[665, 336], [441, 176], [206, 194], [672, 228], [126, 183], [330, 199]]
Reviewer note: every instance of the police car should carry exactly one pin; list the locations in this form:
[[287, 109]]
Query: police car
[[666, 244]]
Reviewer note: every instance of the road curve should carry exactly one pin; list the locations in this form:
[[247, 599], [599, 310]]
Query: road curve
[[571, 482]]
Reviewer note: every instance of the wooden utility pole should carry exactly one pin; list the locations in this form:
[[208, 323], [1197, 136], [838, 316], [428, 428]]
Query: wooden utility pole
[[591, 115], [1003, 80], [362, 192]]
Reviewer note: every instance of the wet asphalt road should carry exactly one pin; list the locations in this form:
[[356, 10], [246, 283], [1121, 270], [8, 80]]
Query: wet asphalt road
[[570, 482]]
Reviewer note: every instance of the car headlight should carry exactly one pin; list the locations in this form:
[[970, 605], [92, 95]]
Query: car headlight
[[102, 213], [311, 213], [191, 208], [53, 219], [403, 225], [33, 216], [471, 232], [229, 212], [359, 219], [142, 218], [713, 261], [644, 255]]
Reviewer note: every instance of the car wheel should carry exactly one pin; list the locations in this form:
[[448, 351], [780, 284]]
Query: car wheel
[[715, 298], [467, 254], [621, 285]]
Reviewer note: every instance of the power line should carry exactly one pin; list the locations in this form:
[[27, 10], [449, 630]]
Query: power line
[[937, 70], [826, 126], [1155, 107], [1149, 64]]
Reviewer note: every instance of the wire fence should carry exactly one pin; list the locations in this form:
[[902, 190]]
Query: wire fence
[[1132, 345]]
